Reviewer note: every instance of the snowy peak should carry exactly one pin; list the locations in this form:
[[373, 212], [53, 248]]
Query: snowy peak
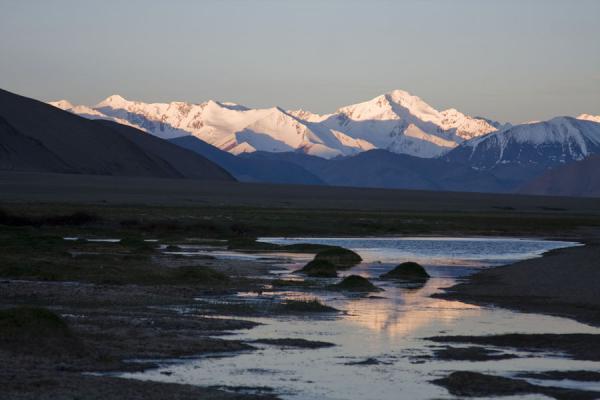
[[589, 117], [403, 123], [397, 121], [114, 101], [62, 104], [537, 144], [413, 104]]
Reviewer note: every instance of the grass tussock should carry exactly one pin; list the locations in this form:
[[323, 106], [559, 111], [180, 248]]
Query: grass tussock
[[410, 271], [339, 256], [320, 269], [37, 331], [356, 283]]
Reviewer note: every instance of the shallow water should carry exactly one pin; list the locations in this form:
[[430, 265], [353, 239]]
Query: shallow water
[[390, 328]]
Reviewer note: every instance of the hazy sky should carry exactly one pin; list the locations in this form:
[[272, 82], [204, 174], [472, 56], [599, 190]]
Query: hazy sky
[[509, 60]]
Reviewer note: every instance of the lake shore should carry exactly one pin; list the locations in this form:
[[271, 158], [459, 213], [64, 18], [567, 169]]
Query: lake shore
[[563, 282]]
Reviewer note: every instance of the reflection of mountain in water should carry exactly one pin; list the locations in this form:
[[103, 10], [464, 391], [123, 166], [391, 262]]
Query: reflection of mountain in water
[[403, 311]]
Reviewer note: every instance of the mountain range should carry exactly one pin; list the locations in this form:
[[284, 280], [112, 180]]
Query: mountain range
[[396, 121], [35, 136], [393, 141], [275, 145]]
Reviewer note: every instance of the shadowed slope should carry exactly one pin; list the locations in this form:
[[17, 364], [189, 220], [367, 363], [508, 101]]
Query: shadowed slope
[[384, 169], [575, 179], [250, 169]]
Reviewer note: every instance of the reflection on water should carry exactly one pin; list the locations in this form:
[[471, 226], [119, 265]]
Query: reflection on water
[[403, 311], [389, 326]]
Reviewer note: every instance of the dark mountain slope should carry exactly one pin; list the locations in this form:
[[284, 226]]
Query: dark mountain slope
[[576, 179], [310, 163], [249, 169], [164, 153], [39, 137], [384, 169], [22, 153], [381, 168]]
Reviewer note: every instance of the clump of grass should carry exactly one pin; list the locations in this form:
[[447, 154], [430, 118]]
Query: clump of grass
[[339, 256], [305, 306], [38, 331], [356, 283], [320, 269], [409, 271]]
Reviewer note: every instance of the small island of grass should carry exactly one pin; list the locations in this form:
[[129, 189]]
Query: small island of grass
[[340, 257], [408, 271], [357, 284], [320, 269]]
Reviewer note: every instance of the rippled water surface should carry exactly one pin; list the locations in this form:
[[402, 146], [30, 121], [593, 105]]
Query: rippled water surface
[[390, 327]]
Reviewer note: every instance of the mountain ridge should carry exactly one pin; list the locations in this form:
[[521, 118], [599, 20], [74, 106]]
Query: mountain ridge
[[398, 121]]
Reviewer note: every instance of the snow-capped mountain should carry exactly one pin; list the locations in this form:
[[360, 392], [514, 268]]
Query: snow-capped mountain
[[588, 117], [396, 121], [403, 123], [534, 145]]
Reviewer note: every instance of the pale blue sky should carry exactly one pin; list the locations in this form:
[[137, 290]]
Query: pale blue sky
[[509, 60]]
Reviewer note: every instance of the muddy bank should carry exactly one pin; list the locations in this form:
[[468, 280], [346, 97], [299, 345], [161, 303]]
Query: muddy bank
[[578, 346], [112, 302], [471, 353], [107, 325], [474, 384], [45, 383], [564, 282], [295, 343]]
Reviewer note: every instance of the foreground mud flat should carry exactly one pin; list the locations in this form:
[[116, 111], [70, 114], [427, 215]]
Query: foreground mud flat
[[144, 299], [74, 308]]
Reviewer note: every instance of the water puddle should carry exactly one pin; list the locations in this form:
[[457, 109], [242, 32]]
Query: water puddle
[[379, 350]]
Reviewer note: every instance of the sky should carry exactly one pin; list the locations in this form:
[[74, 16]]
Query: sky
[[509, 60]]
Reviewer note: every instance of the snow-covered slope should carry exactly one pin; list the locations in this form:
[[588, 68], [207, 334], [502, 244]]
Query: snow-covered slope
[[546, 144], [89, 113], [396, 121]]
